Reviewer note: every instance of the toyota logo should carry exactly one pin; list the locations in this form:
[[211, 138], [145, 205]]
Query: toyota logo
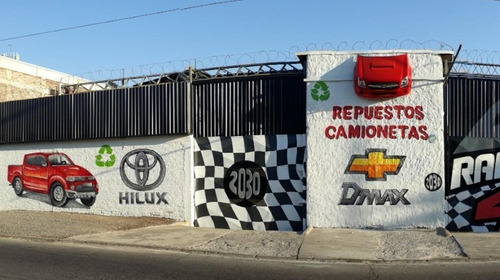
[[138, 167]]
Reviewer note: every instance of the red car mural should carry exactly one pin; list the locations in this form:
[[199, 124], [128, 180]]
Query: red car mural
[[54, 174]]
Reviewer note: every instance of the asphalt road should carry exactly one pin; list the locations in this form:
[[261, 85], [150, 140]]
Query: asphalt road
[[21, 259]]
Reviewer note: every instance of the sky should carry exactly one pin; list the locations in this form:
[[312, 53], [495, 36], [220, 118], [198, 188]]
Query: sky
[[233, 32]]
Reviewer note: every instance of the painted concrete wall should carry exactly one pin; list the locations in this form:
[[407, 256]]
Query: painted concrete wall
[[250, 182], [405, 197], [171, 199]]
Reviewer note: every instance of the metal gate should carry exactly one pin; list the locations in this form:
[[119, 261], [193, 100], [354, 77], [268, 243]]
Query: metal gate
[[473, 145]]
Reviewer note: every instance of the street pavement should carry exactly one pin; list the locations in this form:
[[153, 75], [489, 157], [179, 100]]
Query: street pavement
[[315, 244]]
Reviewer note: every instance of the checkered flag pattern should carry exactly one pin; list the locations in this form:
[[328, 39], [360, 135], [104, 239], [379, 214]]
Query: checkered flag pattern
[[460, 212], [280, 156]]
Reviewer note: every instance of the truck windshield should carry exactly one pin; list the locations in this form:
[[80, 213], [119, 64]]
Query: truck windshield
[[59, 159]]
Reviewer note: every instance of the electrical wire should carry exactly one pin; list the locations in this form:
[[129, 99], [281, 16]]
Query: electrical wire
[[119, 19]]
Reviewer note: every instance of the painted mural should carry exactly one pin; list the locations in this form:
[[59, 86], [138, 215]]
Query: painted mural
[[119, 177], [250, 182], [137, 170], [375, 146], [54, 174], [375, 158], [473, 191]]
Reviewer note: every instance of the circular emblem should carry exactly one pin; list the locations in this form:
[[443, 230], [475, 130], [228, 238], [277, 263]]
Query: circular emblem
[[106, 152], [146, 167], [245, 183], [320, 91], [433, 182]]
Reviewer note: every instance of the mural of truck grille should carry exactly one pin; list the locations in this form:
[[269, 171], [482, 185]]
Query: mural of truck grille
[[281, 207], [86, 187]]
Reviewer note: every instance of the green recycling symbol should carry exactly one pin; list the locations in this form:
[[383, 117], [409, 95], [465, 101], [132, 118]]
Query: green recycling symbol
[[320, 92], [105, 152]]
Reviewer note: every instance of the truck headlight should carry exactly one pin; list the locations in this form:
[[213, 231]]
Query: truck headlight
[[361, 83], [404, 82], [75, 178]]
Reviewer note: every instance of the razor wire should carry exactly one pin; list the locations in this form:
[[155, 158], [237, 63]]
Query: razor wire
[[468, 61], [477, 62], [263, 56]]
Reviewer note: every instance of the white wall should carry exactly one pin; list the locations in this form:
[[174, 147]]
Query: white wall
[[175, 151], [327, 159]]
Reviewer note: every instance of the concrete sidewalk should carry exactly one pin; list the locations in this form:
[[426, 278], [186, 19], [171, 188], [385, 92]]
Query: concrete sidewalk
[[314, 244]]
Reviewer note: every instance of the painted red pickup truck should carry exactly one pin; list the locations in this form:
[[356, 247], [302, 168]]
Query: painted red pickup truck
[[54, 174]]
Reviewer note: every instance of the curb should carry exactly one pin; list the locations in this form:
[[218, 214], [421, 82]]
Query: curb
[[297, 258], [462, 248]]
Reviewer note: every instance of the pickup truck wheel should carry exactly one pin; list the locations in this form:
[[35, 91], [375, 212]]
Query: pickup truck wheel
[[18, 186], [58, 195], [88, 201]]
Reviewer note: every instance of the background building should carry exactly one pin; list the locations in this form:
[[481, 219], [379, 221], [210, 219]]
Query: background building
[[21, 80]]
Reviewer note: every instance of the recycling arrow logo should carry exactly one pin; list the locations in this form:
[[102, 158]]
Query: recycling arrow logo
[[320, 91], [105, 153]]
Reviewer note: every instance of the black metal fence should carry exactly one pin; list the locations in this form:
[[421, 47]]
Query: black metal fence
[[255, 100], [473, 106], [253, 106], [141, 111]]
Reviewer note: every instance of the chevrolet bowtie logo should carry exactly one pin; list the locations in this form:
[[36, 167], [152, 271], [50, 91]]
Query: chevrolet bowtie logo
[[375, 165]]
